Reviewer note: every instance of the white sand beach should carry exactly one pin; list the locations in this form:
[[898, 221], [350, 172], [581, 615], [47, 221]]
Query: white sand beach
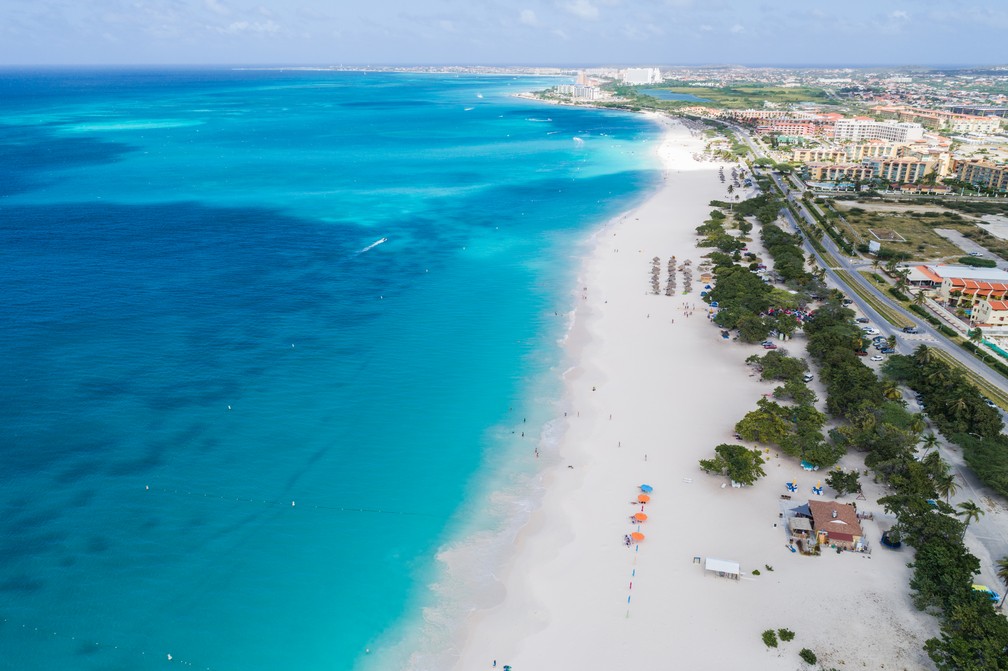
[[652, 391]]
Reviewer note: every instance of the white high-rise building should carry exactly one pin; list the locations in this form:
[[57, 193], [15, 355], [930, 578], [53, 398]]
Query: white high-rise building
[[634, 76], [857, 130]]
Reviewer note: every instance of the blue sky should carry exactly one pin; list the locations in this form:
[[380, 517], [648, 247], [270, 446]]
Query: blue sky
[[502, 31]]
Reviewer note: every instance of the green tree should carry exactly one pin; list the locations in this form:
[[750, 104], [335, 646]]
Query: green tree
[[970, 512], [765, 424], [843, 482], [946, 485], [1002, 574], [929, 442], [739, 463]]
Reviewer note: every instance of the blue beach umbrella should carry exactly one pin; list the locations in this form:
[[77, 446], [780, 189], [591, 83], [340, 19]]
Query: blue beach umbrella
[[647, 489]]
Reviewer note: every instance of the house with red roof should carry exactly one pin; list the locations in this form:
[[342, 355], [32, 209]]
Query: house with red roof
[[835, 523]]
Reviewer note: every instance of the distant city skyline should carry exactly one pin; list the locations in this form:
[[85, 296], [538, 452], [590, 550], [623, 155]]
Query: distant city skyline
[[561, 32]]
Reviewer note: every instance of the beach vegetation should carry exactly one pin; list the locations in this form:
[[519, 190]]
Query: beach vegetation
[[741, 464], [785, 635], [844, 482], [768, 423], [959, 411], [776, 365], [807, 656], [795, 391], [770, 638]]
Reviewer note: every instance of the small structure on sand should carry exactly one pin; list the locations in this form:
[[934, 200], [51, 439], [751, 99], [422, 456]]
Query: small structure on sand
[[836, 523], [722, 568]]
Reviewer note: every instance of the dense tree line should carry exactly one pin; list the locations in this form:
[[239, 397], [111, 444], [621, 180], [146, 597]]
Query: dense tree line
[[959, 411], [789, 259], [974, 636]]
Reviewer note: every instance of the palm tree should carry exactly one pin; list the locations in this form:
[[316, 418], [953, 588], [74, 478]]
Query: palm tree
[[891, 342], [891, 391], [976, 335], [930, 442], [918, 298], [901, 279], [1002, 574], [946, 485], [970, 512], [924, 355]]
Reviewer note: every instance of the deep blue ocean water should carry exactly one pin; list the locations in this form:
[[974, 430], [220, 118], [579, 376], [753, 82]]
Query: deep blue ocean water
[[234, 429]]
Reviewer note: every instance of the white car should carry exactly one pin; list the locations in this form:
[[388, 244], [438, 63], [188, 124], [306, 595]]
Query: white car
[[877, 357]]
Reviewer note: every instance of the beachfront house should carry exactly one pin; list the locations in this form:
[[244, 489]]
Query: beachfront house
[[836, 524]]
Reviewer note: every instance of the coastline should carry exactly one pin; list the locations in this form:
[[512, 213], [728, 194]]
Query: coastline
[[650, 391]]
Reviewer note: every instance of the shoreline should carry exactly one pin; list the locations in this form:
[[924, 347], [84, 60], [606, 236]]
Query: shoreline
[[649, 389]]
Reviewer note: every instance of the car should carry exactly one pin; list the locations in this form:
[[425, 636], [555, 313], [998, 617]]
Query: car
[[888, 350], [877, 357], [990, 403], [769, 346], [910, 329], [807, 377], [862, 320], [861, 352], [846, 301], [975, 254]]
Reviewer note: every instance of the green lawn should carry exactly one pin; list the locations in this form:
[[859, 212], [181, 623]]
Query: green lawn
[[746, 96]]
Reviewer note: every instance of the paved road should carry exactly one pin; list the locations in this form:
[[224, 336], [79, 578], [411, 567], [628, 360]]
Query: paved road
[[988, 537]]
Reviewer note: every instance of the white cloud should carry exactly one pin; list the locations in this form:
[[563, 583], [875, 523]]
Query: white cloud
[[261, 27], [582, 9], [737, 29], [216, 7], [529, 18], [899, 15]]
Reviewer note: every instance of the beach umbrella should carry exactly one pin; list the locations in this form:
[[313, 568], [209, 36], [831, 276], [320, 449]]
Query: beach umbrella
[[637, 536], [647, 489], [643, 498], [640, 517]]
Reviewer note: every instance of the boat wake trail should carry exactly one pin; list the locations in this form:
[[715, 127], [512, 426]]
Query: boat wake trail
[[371, 246]]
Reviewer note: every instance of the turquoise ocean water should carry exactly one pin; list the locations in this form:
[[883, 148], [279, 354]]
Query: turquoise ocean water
[[270, 340]]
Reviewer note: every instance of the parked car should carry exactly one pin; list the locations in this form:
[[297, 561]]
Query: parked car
[[910, 329], [872, 331], [861, 352], [807, 377], [770, 346], [862, 320], [877, 357], [888, 350]]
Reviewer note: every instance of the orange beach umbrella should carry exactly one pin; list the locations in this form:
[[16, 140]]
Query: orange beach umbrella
[[637, 536], [640, 517], [643, 498]]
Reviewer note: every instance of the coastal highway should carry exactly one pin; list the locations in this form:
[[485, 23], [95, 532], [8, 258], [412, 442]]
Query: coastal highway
[[988, 536]]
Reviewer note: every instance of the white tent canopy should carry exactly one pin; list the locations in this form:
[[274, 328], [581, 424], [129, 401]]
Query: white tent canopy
[[723, 567]]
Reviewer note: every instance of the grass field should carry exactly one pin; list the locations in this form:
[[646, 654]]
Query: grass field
[[888, 313], [916, 228], [746, 97]]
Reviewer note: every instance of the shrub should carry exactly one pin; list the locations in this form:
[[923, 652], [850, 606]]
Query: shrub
[[808, 656], [945, 330], [898, 295], [770, 638], [755, 571], [785, 634], [977, 263]]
